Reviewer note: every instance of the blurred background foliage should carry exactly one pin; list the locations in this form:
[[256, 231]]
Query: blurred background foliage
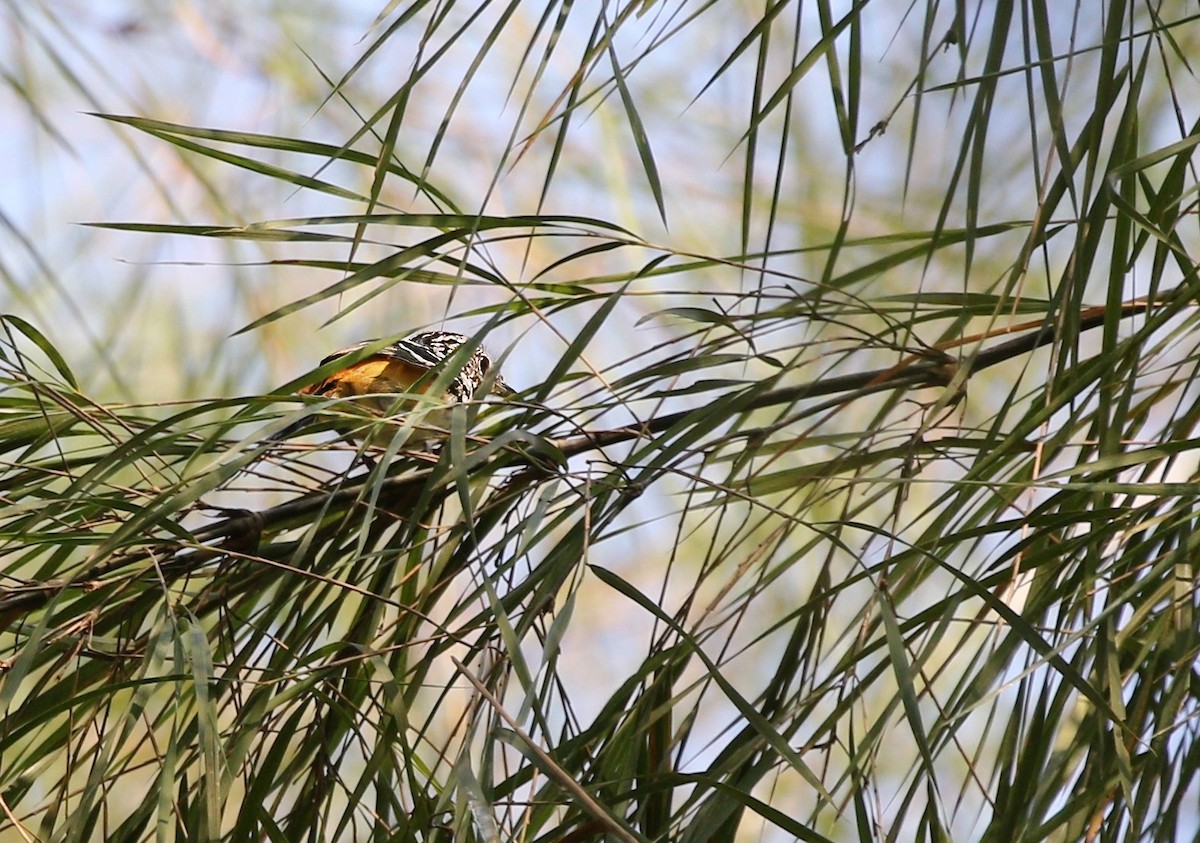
[[849, 494]]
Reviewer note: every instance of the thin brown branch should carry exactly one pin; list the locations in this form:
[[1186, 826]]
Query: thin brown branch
[[935, 369]]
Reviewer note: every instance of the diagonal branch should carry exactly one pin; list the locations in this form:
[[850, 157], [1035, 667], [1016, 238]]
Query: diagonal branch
[[245, 528]]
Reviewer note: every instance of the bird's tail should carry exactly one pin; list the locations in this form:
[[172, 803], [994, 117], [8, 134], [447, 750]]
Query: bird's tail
[[294, 429]]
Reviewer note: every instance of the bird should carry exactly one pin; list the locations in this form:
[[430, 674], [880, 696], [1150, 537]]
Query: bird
[[409, 365]]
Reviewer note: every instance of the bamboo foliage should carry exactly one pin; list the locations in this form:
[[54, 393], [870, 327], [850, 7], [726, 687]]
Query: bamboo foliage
[[864, 517]]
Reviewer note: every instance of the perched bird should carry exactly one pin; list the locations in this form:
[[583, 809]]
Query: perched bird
[[410, 365]]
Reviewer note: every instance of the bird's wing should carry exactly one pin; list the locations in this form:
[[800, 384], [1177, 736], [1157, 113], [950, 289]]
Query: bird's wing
[[414, 353], [342, 352], [406, 351]]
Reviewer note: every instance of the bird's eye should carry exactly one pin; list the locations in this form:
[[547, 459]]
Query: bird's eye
[[484, 364]]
